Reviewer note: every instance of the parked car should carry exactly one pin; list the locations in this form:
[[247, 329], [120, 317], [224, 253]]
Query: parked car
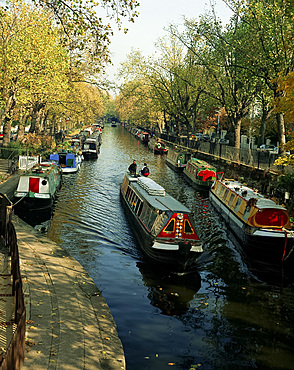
[[269, 148], [224, 141]]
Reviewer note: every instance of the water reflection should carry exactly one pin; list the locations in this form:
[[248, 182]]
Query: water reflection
[[169, 292]]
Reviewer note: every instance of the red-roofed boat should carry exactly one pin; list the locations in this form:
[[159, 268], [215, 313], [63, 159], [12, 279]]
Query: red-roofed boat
[[262, 226]]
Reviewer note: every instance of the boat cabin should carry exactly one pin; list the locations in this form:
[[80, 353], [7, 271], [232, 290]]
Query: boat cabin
[[178, 158], [200, 173], [37, 187], [162, 215], [64, 159], [250, 206]]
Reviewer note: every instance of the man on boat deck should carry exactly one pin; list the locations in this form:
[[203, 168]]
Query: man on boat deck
[[133, 168], [145, 170]]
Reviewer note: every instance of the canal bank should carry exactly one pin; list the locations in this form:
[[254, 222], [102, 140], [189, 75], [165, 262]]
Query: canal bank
[[69, 324]]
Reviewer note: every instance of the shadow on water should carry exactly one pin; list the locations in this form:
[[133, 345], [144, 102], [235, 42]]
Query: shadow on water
[[169, 292]]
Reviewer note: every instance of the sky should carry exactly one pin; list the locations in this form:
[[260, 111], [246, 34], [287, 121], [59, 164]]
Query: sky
[[149, 26]]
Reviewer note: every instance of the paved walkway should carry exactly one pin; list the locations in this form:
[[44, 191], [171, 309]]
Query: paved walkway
[[69, 324]]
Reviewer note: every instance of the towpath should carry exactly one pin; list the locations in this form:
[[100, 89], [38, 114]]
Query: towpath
[[69, 324]]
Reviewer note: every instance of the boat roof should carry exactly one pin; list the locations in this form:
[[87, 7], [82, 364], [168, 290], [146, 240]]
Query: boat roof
[[201, 163], [156, 195], [247, 193], [41, 169]]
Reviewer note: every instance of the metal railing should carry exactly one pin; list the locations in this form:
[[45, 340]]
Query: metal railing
[[255, 158], [9, 157], [12, 356]]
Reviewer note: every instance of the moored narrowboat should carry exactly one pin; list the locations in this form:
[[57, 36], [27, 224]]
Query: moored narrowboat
[[37, 188], [91, 148], [200, 173], [144, 137], [68, 161], [262, 226], [162, 225], [177, 159]]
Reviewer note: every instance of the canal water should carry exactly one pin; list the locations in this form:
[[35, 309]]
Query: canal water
[[225, 316]]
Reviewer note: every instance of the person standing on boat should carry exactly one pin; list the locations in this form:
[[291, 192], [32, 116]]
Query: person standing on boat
[[145, 170], [133, 168]]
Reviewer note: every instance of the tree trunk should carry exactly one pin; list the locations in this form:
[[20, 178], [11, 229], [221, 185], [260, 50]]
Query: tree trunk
[[237, 128], [260, 139], [281, 132], [7, 119], [6, 131], [36, 117]]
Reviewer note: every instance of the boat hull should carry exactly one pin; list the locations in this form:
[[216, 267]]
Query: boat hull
[[197, 184], [159, 151], [33, 204], [259, 245], [90, 155], [174, 166], [178, 258]]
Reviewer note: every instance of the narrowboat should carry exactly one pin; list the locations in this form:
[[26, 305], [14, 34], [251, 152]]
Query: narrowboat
[[85, 134], [200, 173], [75, 143], [37, 188], [91, 148], [262, 227], [68, 161], [177, 159], [144, 137], [162, 225], [160, 148]]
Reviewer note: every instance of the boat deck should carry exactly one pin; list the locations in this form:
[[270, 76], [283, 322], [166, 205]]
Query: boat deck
[[157, 200]]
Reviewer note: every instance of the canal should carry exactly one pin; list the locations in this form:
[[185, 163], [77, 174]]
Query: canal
[[225, 316]]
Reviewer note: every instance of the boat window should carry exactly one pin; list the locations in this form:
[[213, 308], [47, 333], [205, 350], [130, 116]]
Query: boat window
[[188, 228], [151, 220], [218, 187], [134, 201], [137, 205], [170, 227], [222, 191], [139, 208], [131, 196], [232, 197], [242, 207], [237, 205], [128, 192], [148, 217], [225, 194]]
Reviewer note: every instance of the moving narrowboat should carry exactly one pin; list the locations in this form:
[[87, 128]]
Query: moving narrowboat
[[160, 148], [91, 148], [68, 161], [177, 159], [162, 225], [37, 188], [200, 173], [262, 226]]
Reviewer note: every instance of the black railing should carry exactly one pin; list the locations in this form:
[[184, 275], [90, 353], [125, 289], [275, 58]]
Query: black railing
[[255, 158], [13, 355]]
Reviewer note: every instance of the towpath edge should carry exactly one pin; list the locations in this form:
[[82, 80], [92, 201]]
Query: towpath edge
[[69, 324]]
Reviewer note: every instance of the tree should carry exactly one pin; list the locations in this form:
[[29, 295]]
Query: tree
[[268, 27]]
